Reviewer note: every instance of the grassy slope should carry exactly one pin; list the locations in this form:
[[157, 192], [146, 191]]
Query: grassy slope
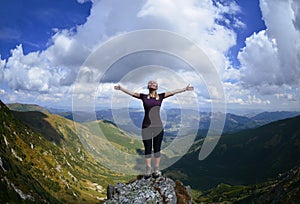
[[49, 162], [26, 107], [284, 189]]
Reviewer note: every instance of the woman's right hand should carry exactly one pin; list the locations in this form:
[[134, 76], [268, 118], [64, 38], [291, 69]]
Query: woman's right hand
[[189, 88], [117, 87]]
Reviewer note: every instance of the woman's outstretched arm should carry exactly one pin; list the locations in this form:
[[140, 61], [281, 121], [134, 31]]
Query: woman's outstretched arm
[[131, 93], [171, 93]]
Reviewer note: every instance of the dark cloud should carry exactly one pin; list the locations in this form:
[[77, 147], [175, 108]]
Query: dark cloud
[[143, 59]]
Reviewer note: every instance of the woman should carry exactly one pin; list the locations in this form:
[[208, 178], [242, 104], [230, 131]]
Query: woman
[[152, 127]]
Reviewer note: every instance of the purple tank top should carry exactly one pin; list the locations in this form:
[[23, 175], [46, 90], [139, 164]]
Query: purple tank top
[[152, 111]]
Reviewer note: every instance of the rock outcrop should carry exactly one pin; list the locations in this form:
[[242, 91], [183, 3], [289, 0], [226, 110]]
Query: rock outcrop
[[159, 191]]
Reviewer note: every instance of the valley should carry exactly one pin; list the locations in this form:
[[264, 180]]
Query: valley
[[44, 159]]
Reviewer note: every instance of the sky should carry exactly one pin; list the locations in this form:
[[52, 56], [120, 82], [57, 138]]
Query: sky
[[254, 47]]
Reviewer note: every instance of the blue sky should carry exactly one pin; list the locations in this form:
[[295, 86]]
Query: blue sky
[[254, 46], [252, 18], [31, 23]]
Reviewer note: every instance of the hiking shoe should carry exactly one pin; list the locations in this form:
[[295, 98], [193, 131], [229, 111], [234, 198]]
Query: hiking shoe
[[156, 173], [147, 172]]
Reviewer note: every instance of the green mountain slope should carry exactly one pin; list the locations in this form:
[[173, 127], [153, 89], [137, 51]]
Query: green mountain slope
[[247, 157], [284, 189], [43, 160], [26, 107]]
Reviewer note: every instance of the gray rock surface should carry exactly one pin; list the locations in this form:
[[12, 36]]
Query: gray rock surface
[[158, 191]]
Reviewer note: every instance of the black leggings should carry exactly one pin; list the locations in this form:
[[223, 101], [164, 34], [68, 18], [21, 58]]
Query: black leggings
[[155, 135]]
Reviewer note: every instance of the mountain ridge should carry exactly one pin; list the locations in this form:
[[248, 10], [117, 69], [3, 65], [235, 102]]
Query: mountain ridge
[[26, 107], [246, 157], [233, 122]]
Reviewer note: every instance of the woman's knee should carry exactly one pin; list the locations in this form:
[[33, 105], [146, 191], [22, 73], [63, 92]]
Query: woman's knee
[[157, 154]]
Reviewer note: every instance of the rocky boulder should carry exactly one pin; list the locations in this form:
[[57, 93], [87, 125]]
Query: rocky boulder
[[159, 191]]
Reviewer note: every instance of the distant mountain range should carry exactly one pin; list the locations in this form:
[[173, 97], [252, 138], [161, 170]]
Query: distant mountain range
[[233, 122], [42, 159]]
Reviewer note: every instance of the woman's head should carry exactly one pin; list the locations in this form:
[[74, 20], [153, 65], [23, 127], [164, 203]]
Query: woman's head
[[152, 85]]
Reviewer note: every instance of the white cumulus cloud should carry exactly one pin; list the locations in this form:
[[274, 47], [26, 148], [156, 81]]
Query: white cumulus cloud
[[271, 57], [53, 71]]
